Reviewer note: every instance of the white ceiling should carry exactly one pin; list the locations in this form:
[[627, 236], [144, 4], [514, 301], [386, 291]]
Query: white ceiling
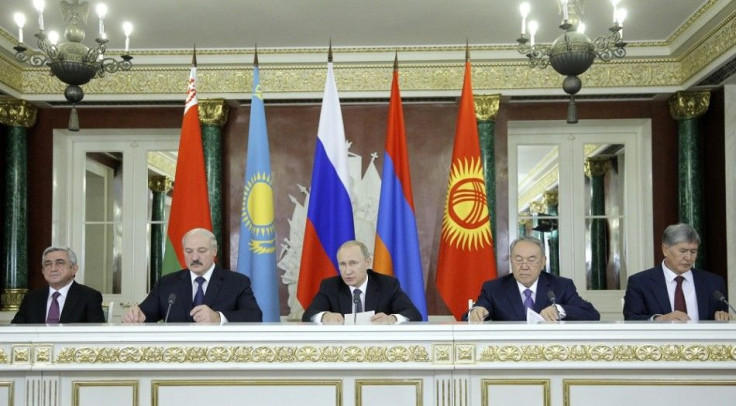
[[233, 24], [296, 33]]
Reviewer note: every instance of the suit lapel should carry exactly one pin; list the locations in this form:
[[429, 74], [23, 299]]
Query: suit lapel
[[371, 296], [660, 290], [72, 296], [39, 309], [541, 300], [213, 286], [514, 300], [702, 295], [184, 290], [344, 299]]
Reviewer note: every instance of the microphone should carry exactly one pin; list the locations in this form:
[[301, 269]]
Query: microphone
[[553, 299], [172, 299], [356, 302], [719, 297]]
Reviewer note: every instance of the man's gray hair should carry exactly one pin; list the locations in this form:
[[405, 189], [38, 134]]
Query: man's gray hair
[[201, 231], [677, 233], [528, 238], [352, 243], [69, 252]]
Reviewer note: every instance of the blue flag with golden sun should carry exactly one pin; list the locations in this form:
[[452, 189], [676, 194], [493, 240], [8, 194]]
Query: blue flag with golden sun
[[257, 249]]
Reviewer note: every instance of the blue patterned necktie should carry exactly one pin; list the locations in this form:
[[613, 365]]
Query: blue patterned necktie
[[528, 301], [199, 296]]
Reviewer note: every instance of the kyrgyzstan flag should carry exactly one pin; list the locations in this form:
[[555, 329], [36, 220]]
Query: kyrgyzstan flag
[[190, 206], [466, 254]]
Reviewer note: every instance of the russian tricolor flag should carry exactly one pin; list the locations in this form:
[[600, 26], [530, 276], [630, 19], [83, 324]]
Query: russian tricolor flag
[[330, 212], [397, 243]]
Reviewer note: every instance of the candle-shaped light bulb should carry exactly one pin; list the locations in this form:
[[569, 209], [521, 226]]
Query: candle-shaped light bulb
[[533, 27], [39, 5], [524, 10], [581, 27], [127, 29], [20, 21], [615, 17], [621, 18], [101, 13], [565, 16], [53, 37]]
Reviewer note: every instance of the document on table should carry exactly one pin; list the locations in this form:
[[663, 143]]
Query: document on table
[[359, 318], [533, 317]]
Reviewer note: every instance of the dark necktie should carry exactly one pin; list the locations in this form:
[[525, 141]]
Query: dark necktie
[[54, 313], [356, 300], [528, 301], [679, 295], [199, 296]]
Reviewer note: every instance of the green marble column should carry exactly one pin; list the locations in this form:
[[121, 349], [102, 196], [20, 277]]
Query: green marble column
[[486, 109], [213, 114], [18, 116], [551, 201], [160, 186], [686, 108], [596, 169]]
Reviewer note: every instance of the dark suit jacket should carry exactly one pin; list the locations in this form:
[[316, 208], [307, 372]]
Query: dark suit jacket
[[384, 295], [82, 305], [501, 297], [646, 294], [227, 292]]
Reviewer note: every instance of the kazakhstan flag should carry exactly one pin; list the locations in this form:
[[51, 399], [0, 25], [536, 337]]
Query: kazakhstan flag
[[257, 250]]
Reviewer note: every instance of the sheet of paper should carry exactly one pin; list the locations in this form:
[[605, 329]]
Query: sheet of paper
[[533, 317], [359, 318]]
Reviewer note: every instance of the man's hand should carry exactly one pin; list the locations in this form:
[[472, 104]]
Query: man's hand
[[477, 314], [134, 315], [674, 316], [203, 314], [550, 313], [332, 318], [383, 318], [721, 316]]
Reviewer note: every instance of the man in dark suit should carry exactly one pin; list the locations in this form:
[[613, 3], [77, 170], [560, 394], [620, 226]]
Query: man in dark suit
[[64, 300], [654, 294], [202, 293], [508, 297], [358, 288]]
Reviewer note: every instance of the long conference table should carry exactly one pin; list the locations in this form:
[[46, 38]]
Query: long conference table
[[287, 364]]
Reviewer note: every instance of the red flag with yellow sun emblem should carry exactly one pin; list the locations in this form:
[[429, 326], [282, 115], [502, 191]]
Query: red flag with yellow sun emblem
[[466, 257]]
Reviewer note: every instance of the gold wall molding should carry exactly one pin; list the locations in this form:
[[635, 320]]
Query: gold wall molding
[[241, 354], [687, 105], [17, 113], [305, 79], [417, 384], [486, 106], [607, 353], [709, 48], [544, 385], [77, 386], [213, 112]]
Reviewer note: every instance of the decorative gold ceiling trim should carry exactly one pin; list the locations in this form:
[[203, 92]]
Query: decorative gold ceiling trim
[[711, 47], [278, 79], [690, 21], [11, 73]]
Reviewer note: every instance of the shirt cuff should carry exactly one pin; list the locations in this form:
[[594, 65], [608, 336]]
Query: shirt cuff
[[223, 319]]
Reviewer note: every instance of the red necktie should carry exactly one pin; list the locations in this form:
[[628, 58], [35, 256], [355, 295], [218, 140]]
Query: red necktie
[[679, 296]]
